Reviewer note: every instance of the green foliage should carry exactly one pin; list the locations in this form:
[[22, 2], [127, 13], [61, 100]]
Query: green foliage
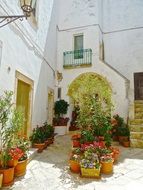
[[24, 144], [11, 122], [38, 135], [61, 107], [48, 130], [120, 127], [123, 131], [95, 116], [87, 136]]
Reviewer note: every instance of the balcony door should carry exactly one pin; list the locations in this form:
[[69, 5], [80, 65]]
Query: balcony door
[[138, 86], [78, 47]]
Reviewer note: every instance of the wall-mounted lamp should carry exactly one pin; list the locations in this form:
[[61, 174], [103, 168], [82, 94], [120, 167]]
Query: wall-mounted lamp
[[26, 6]]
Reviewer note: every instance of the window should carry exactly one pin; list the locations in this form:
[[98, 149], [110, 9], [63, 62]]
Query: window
[[59, 93], [78, 46]]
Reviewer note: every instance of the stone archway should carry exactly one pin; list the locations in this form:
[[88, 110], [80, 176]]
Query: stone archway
[[88, 84]]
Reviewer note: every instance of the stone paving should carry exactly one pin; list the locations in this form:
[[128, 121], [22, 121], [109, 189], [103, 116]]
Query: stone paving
[[49, 171]]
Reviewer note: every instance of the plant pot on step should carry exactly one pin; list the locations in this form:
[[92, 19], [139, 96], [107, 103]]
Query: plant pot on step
[[40, 146], [126, 143], [20, 168], [8, 176]]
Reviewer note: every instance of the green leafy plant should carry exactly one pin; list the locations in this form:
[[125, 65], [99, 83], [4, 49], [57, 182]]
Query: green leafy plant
[[11, 122], [38, 135], [95, 116], [87, 136], [48, 130], [60, 108], [123, 131]]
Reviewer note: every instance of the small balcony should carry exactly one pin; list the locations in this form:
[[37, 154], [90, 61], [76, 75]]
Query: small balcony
[[77, 58]]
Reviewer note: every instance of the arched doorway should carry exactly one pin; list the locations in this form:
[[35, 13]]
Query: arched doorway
[[87, 85]]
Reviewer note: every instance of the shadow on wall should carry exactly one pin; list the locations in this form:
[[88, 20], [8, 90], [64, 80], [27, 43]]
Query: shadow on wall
[[47, 72]]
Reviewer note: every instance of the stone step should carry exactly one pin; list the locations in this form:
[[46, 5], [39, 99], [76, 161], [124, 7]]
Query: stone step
[[138, 109], [138, 101], [138, 115], [136, 122], [136, 135], [136, 128], [134, 143]]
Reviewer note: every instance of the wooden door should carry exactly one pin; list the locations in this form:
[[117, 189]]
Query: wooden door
[[23, 103], [138, 86]]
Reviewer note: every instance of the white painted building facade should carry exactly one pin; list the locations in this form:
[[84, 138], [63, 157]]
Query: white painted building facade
[[28, 54]]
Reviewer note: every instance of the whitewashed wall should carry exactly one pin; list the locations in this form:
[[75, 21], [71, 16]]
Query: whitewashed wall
[[25, 48], [123, 38], [68, 23]]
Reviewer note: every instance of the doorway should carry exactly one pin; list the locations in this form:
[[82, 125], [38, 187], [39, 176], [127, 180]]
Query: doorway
[[50, 106], [138, 86], [24, 100]]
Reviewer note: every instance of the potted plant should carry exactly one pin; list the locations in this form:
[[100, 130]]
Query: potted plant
[[48, 133], [87, 137], [76, 140], [11, 122], [38, 138], [123, 133], [106, 164], [95, 117], [90, 165], [74, 163], [23, 144], [60, 122]]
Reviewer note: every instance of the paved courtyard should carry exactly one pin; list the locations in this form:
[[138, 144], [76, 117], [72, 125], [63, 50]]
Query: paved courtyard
[[49, 171]]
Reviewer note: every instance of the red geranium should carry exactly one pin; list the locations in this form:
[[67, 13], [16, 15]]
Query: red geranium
[[16, 153]]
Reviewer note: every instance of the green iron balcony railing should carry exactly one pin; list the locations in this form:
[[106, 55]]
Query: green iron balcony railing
[[78, 58]]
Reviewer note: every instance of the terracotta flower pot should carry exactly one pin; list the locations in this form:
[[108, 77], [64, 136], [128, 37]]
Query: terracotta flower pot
[[20, 168], [126, 143], [40, 146], [1, 178], [8, 176], [74, 166], [12, 163], [107, 167]]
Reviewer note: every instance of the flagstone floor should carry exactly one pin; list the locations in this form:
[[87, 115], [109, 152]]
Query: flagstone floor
[[49, 171]]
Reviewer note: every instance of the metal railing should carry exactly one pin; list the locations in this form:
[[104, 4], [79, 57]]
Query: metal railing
[[77, 58]]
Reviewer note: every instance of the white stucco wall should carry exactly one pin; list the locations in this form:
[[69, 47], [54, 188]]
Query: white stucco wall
[[26, 49], [76, 13], [123, 37]]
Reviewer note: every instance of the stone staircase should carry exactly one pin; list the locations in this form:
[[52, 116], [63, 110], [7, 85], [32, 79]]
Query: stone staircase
[[136, 126]]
